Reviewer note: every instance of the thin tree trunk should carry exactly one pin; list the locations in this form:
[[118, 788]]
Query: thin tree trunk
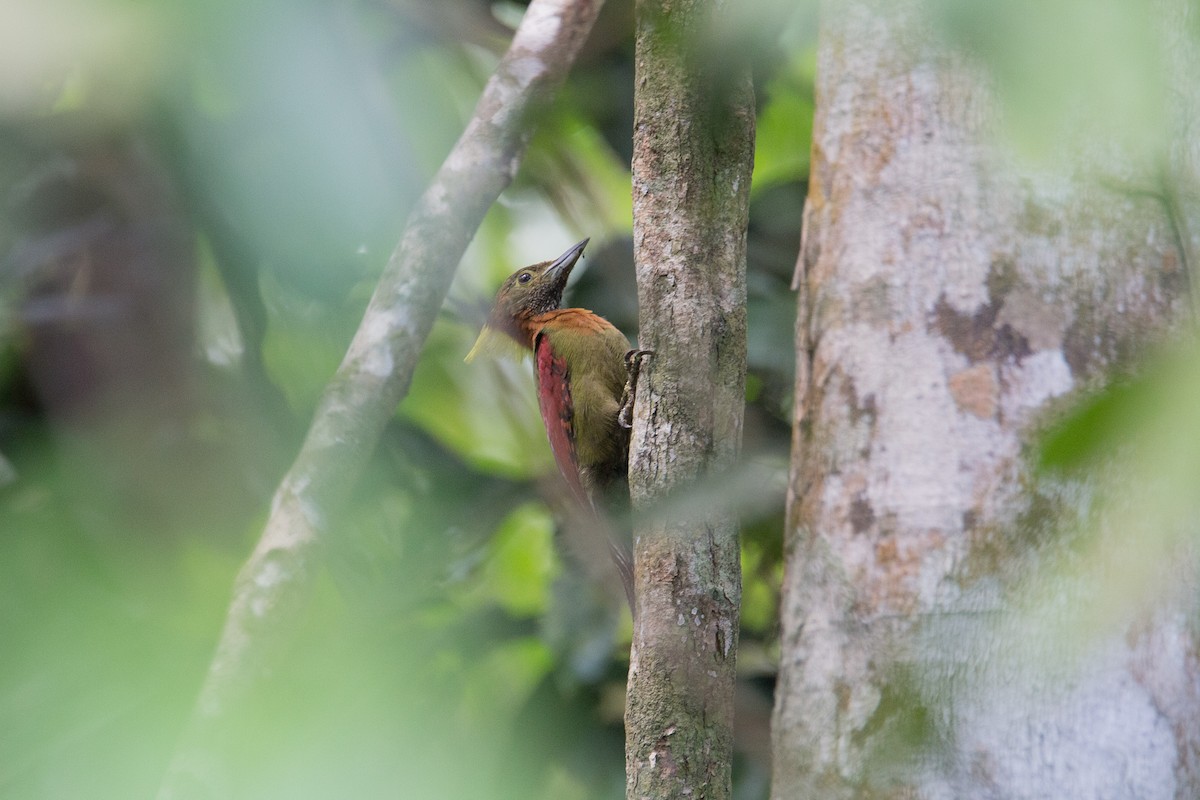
[[693, 148], [948, 304], [273, 586]]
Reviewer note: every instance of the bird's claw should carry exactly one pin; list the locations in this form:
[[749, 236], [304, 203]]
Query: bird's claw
[[633, 365], [631, 355]]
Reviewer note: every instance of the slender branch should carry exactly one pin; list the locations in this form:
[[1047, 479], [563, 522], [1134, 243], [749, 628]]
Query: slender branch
[[273, 586], [693, 152], [1171, 189], [1178, 200]]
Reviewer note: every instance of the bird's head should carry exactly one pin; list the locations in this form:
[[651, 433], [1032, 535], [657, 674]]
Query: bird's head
[[535, 289], [528, 292]]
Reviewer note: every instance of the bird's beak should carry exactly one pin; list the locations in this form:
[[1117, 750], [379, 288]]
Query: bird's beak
[[566, 261]]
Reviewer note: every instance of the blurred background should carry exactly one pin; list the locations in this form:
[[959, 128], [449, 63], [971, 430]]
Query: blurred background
[[197, 199]]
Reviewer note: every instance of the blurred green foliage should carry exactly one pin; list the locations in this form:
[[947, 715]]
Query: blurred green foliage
[[1126, 458], [1081, 80], [197, 200]]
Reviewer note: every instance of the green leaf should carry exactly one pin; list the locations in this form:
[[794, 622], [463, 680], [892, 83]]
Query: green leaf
[[784, 130], [522, 563], [1094, 427]]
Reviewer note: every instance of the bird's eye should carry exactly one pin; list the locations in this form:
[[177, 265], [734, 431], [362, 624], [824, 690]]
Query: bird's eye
[[524, 277]]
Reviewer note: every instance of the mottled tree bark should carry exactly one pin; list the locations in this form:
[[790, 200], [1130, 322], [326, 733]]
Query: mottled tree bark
[[949, 304], [693, 147], [273, 586]]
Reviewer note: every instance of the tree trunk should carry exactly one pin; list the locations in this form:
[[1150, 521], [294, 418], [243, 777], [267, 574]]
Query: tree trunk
[[948, 304], [693, 146]]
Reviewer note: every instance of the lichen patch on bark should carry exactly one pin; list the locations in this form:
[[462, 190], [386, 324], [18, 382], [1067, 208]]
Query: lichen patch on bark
[[975, 390]]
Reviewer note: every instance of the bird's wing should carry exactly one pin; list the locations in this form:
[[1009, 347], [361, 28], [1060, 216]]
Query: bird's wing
[[558, 413]]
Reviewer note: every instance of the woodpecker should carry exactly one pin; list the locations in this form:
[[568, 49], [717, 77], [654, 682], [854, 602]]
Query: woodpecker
[[586, 379]]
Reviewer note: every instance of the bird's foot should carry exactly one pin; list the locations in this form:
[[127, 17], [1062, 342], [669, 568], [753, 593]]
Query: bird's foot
[[633, 366]]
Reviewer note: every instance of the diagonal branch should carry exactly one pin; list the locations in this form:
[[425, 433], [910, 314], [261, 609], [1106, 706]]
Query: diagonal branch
[[273, 586]]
